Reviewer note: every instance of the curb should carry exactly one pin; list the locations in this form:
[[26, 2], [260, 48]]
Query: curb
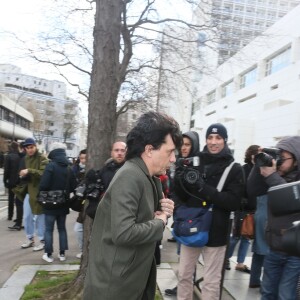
[[13, 288], [165, 279]]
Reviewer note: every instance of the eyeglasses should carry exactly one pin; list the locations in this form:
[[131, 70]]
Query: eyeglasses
[[284, 159]]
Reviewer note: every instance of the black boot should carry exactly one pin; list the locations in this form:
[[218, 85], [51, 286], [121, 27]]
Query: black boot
[[15, 227]]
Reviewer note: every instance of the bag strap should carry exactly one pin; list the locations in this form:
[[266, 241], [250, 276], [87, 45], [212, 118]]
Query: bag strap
[[224, 177]]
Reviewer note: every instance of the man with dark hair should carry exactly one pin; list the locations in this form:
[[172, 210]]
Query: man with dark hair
[[215, 158], [132, 215]]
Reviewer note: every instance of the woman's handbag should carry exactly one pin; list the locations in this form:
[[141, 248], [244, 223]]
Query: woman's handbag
[[52, 199], [247, 228], [192, 224]]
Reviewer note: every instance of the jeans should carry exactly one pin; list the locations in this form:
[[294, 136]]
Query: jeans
[[32, 222], [243, 248], [256, 268], [78, 228], [62, 232], [281, 274]]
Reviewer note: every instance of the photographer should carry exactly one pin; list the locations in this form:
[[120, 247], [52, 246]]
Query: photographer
[[214, 159], [281, 271]]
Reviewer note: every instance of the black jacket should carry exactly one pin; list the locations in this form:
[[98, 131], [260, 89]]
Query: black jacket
[[11, 169], [211, 168], [55, 177], [108, 172]]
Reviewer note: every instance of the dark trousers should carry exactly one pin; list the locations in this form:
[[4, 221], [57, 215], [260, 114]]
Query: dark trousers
[[11, 204], [19, 207], [62, 232]]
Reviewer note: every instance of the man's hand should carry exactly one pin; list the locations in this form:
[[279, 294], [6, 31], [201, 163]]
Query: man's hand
[[162, 216], [23, 172], [267, 171], [167, 206]]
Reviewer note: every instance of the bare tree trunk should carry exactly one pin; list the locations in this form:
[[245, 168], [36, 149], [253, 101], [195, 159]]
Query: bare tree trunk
[[104, 89], [105, 81]]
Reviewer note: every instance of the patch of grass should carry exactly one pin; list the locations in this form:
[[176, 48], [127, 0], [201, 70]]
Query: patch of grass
[[44, 281]]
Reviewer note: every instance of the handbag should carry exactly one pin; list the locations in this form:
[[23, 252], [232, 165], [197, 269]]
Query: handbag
[[247, 228], [192, 224], [54, 199]]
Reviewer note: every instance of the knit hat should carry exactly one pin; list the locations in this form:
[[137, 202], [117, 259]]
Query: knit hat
[[219, 129], [28, 142], [57, 145]]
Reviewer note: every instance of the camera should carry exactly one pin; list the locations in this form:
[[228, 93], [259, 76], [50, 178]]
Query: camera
[[187, 169], [80, 190], [91, 191], [264, 158]]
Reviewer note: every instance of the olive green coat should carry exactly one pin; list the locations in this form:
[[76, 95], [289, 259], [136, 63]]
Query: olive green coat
[[124, 235]]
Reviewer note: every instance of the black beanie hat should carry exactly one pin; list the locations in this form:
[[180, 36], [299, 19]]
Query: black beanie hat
[[219, 129]]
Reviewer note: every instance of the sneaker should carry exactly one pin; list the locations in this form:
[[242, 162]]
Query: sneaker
[[15, 227], [40, 246], [47, 258], [29, 243], [61, 257], [171, 240], [78, 255], [171, 292]]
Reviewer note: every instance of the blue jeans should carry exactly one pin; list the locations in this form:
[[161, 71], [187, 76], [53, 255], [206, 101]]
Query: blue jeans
[[78, 228], [243, 248], [33, 223], [62, 232], [256, 269], [281, 274]]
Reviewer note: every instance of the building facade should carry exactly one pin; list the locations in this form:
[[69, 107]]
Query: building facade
[[55, 116], [256, 93]]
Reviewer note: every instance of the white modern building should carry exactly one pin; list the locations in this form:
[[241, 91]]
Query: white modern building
[[55, 116], [256, 93], [15, 121]]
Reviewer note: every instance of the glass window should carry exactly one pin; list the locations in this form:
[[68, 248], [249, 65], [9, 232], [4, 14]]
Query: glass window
[[248, 78], [278, 62], [211, 97], [227, 89]]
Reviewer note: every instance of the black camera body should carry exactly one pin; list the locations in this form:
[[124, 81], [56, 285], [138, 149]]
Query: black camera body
[[91, 191], [187, 169], [264, 158]]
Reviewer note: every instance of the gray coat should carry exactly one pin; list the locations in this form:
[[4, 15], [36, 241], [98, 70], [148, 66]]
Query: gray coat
[[121, 255]]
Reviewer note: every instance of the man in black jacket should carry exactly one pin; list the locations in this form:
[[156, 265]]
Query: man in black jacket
[[106, 174], [11, 178], [214, 159]]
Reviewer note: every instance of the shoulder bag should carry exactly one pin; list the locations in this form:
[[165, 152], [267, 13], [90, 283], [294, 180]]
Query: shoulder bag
[[192, 224], [54, 199]]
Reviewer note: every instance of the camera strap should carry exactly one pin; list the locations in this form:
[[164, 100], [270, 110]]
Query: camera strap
[[220, 184]]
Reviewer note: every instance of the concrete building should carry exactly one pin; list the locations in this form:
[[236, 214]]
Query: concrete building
[[256, 93], [240, 21], [56, 117]]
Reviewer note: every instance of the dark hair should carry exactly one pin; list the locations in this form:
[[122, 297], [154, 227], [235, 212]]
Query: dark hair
[[251, 150], [82, 152], [151, 129]]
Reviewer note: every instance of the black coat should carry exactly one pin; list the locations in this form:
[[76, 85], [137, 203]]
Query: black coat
[[211, 168], [11, 169], [55, 178], [108, 172]]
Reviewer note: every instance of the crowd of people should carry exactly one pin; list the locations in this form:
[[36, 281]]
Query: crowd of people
[[139, 188]]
